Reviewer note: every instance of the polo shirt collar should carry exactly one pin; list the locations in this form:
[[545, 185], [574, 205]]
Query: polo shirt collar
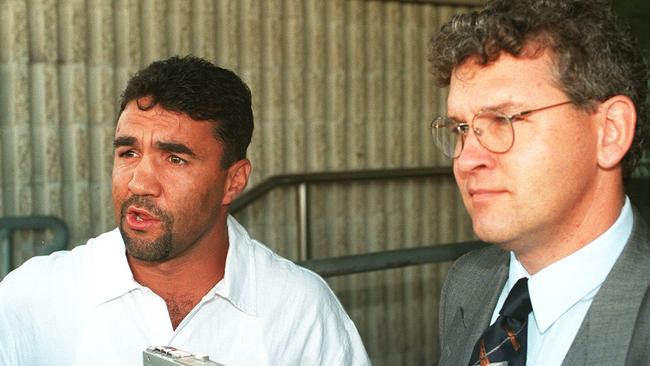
[[238, 285], [577, 277], [113, 278], [109, 269]]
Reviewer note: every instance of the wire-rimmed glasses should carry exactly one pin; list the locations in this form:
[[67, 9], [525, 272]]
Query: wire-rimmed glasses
[[492, 128]]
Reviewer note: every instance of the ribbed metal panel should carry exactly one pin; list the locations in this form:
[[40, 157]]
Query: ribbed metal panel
[[337, 85]]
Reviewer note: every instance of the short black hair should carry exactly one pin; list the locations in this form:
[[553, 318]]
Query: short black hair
[[594, 54], [201, 90]]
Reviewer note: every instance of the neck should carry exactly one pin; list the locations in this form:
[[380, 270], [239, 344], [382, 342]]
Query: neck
[[184, 279], [596, 214], [180, 275]]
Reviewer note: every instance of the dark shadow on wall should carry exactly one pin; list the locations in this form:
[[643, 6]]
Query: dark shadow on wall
[[636, 13]]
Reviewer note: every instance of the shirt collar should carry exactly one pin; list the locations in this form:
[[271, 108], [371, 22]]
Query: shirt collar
[[109, 269], [113, 277], [238, 285], [561, 285]]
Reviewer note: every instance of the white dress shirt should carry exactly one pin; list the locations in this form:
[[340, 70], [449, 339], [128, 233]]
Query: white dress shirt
[[562, 292], [83, 307]]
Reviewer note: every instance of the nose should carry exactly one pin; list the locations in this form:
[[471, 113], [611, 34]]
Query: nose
[[473, 156], [144, 179]]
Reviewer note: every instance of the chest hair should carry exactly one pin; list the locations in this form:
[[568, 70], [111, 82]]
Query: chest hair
[[178, 307]]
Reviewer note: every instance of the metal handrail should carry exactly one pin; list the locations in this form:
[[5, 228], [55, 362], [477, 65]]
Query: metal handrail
[[329, 177], [10, 224], [302, 180], [389, 259]]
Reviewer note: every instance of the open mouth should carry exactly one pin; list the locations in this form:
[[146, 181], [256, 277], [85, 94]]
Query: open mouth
[[140, 219]]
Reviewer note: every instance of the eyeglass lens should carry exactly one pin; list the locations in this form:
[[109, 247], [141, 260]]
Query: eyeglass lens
[[492, 129], [448, 136]]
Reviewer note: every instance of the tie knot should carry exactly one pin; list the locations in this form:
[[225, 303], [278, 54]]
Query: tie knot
[[517, 303]]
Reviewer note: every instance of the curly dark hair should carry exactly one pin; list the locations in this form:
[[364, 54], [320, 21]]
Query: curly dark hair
[[595, 55], [204, 92]]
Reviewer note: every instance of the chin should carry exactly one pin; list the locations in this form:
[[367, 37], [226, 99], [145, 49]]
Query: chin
[[500, 236], [149, 250]]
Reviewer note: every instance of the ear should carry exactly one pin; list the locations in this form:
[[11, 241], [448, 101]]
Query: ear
[[236, 180], [617, 132]]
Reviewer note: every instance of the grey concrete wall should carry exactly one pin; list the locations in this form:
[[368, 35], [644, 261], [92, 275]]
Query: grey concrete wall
[[337, 85]]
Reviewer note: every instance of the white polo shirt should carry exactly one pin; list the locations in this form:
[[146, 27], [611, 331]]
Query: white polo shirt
[[83, 307]]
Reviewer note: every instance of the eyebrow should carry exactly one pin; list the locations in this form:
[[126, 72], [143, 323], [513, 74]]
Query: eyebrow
[[503, 106], [123, 141], [174, 147], [170, 147], [495, 107]]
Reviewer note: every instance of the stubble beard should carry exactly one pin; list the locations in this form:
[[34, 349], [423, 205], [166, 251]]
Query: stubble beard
[[156, 250]]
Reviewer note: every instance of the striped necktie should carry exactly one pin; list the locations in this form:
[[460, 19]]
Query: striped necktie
[[504, 342]]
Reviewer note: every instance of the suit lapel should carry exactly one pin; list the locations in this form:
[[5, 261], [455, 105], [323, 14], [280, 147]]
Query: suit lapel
[[473, 316], [605, 333], [478, 312]]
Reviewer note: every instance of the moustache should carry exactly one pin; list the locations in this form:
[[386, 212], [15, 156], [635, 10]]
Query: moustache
[[144, 203]]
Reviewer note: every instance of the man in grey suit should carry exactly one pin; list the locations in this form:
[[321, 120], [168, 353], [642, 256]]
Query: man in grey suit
[[546, 118]]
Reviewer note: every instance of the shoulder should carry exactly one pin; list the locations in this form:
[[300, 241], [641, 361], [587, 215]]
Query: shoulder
[[42, 272], [29, 297], [476, 264], [48, 277], [303, 312], [45, 302], [287, 282], [633, 261], [295, 305], [467, 275], [640, 236], [637, 353], [277, 279]]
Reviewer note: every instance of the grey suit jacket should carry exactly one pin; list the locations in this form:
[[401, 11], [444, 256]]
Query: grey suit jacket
[[605, 337]]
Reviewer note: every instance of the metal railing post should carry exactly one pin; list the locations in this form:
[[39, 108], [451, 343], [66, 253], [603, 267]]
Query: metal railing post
[[7, 251], [303, 222]]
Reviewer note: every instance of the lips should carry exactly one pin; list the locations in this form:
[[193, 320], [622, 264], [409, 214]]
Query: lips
[[140, 219], [484, 194]]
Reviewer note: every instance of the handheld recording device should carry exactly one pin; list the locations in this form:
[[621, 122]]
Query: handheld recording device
[[170, 356]]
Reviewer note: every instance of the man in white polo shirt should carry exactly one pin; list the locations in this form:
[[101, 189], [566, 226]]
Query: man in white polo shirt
[[178, 271]]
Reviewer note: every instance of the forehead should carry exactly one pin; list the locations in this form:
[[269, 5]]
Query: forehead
[[161, 123], [507, 81]]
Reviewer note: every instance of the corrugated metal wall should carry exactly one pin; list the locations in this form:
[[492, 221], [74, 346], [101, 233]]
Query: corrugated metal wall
[[337, 85]]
